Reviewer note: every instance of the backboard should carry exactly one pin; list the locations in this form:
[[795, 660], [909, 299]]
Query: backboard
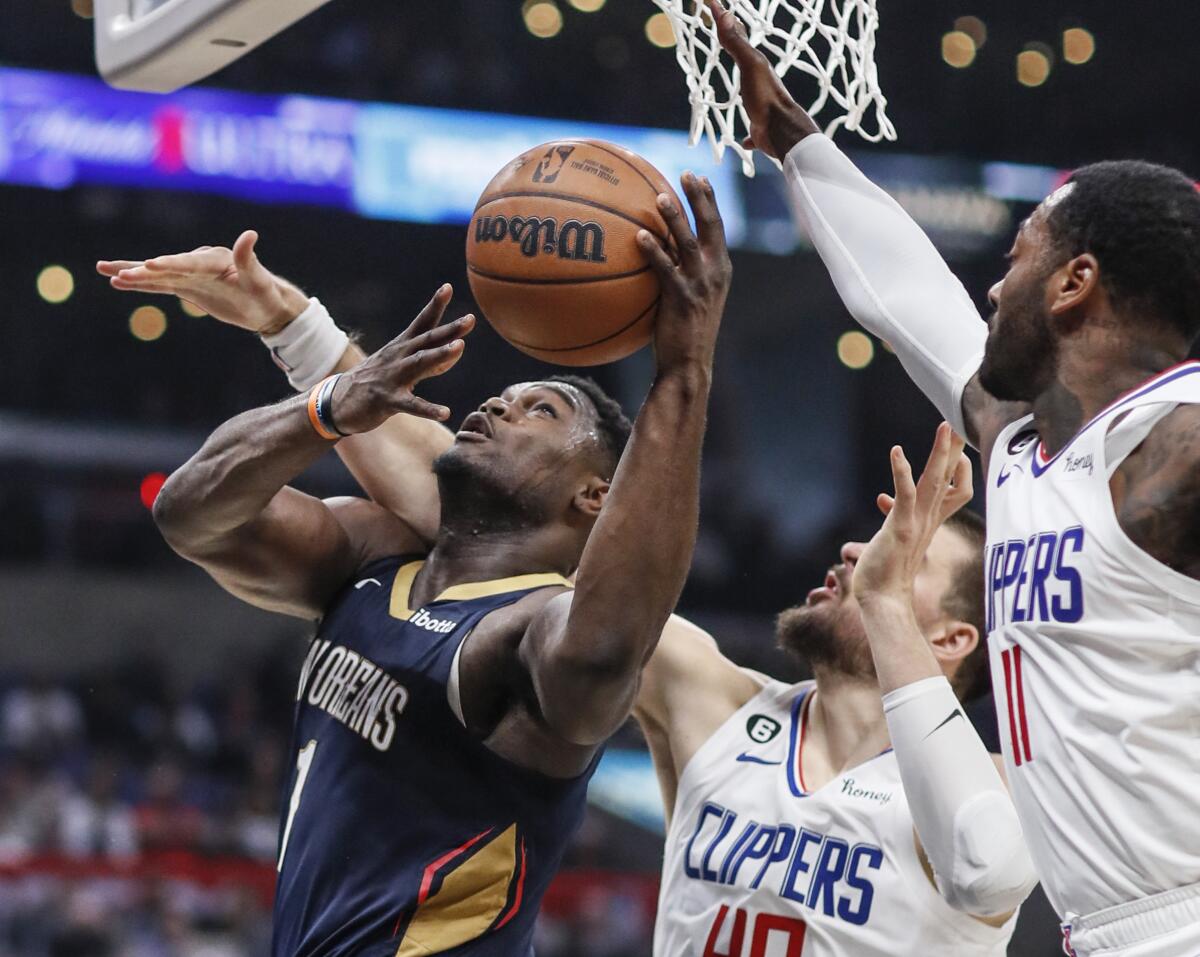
[[162, 45]]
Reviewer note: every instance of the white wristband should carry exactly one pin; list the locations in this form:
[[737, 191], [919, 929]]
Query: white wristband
[[309, 346]]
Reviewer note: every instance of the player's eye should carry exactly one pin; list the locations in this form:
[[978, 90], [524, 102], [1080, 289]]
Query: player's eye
[[546, 407]]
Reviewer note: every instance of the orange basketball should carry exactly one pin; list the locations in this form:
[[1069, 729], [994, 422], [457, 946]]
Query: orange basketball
[[552, 254]]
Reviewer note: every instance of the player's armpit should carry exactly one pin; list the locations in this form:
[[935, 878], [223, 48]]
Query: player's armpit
[[985, 417]]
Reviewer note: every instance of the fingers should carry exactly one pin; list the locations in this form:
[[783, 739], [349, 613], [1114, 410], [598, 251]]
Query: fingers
[[885, 503], [431, 315], [710, 230], [731, 32], [438, 336], [902, 480], [432, 362], [243, 252], [415, 405], [110, 267], [208, 260], [158, 288], [660, 260], [679, 228]]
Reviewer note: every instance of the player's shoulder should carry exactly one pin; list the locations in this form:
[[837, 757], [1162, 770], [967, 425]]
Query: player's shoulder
[[374, 532]]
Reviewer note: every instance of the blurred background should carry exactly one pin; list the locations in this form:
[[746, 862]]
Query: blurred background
[[144, 713]]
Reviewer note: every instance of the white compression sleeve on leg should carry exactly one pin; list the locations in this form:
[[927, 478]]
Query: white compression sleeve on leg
[[887, 272], [309, 346], [964, 816]]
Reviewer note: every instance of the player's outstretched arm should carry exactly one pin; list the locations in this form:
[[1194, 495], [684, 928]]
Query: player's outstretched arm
[[228, 508], [393, 462], [964, 817], [585, 649], [888, 273]]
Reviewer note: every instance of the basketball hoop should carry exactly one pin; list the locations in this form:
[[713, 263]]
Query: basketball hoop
[[833, 41], [162, 45]]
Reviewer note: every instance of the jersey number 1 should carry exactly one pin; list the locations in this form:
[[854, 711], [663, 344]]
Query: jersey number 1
[[304, 761]]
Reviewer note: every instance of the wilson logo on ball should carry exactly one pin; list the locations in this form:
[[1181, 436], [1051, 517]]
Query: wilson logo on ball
[[572, 240]]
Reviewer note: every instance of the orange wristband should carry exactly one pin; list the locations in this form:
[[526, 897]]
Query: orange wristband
[[319, 416]]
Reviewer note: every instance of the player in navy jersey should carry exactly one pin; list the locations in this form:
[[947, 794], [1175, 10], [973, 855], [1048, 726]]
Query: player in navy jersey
[[452, 705]]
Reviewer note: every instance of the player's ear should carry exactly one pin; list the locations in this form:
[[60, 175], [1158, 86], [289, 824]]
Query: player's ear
[[589, 497], [1076, 284], [955, 641]]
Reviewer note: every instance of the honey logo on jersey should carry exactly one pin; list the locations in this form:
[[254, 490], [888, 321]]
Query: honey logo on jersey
[[537, 235]]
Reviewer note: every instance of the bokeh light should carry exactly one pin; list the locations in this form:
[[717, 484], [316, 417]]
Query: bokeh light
[[1078, 45], [1033, 65], [191, 309], [855, 349], [55, 284], [958, 49], [973, 27], [151, 485], [542, 18], [148, 323], [587, 6], [659, 30]]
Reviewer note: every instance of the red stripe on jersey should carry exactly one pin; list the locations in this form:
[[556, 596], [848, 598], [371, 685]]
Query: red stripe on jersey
[[1021, 701], [1006, 658], [432, 869], [516, 904], [800, 743]]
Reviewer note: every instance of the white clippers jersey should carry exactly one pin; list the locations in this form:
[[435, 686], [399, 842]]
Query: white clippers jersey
[[1095, 654], [756, 866]]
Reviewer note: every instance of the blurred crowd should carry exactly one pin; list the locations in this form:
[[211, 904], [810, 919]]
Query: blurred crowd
[[140, 819]]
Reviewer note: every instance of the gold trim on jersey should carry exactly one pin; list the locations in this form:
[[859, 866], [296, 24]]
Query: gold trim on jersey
[[406, 574], [472, 895]]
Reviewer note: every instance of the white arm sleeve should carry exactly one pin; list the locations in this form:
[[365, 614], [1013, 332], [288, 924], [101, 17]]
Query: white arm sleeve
[[964, 816], [887, 272]]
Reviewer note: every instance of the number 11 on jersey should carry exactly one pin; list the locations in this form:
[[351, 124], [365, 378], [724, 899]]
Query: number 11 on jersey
[[304, 761]]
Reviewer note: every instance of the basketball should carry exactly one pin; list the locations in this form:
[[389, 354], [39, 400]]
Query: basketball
[[552, 254]]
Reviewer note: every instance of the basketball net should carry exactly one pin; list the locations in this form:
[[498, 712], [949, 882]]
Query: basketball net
[[833, 41]]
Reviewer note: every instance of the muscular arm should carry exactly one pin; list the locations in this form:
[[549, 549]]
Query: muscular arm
[[392, 463], [888, 273], [585, 650], [228, 510], [964, 818], [688, 690], [1156, 492]]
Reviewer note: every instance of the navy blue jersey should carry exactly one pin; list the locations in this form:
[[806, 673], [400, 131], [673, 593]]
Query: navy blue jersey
[[402, 833]]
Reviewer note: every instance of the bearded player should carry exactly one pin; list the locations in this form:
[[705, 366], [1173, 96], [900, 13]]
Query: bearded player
[[814, 844], [1078, 396], [455, 698]]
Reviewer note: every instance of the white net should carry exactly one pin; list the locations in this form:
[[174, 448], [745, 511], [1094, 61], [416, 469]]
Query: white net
[[833, 41]]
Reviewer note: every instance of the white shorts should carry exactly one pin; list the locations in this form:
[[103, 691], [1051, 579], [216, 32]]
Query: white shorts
[[1163, 925]]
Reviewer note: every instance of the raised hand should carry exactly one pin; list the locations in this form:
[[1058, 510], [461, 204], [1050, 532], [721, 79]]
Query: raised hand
[[231, 285], [892, 558], [382, 386], [695, 288], [777, 121]]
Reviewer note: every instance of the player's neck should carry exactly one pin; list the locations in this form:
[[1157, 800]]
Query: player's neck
[[475, 555], [846, 726], [1092, 375]]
